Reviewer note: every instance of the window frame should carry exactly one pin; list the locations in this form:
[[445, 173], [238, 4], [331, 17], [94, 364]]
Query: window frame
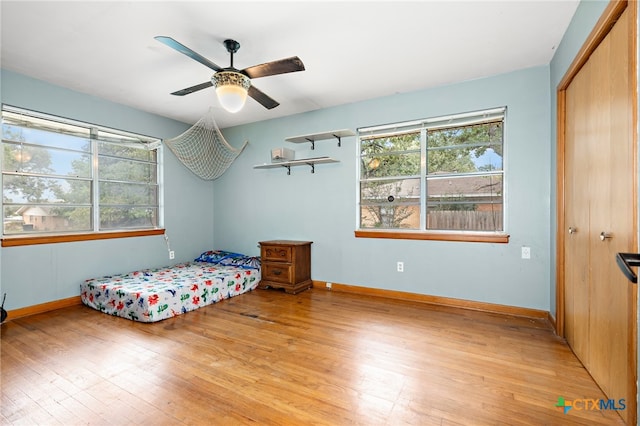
[[95, 233], [423, 126]]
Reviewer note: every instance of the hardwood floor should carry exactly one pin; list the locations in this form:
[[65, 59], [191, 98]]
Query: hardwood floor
[[318, 357]]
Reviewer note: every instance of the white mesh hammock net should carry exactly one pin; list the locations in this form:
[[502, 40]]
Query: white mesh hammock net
[[203, 149]]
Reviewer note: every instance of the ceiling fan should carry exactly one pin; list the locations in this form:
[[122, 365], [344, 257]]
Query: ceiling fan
[[233, 85]]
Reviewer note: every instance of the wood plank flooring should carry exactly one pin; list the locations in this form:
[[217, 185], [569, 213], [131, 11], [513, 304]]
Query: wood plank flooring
[[315, 358]]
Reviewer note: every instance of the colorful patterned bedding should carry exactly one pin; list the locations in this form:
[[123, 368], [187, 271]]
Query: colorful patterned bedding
[[155, 294]]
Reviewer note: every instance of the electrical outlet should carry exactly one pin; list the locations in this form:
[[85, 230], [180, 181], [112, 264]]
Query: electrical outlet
[[172, 254], [329, 286], [526, 252], [400, 266]]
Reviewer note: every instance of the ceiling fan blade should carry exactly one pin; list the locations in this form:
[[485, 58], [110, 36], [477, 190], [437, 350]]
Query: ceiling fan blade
[[262, 98], [282, 66], [193, 89], [186, 51]]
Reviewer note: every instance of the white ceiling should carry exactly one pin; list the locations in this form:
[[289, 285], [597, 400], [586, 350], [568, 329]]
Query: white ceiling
[[352, 51]]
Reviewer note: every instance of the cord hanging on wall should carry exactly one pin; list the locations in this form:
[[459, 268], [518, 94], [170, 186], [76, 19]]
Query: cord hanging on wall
[[166, 240]]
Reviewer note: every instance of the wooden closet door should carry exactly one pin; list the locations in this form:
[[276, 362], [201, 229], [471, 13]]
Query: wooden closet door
[[577, 202], [600, 313], [612, 320]]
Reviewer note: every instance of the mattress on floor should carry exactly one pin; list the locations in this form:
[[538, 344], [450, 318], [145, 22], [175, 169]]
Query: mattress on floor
[[155, 294]]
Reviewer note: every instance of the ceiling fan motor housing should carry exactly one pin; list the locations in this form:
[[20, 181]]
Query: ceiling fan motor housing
[[233, 78]]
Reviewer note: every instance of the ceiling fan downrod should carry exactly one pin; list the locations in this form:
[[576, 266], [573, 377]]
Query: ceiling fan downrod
[[232, 47]]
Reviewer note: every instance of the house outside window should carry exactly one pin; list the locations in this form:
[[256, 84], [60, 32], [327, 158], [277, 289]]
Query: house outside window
[[443, 174], [61, 176]]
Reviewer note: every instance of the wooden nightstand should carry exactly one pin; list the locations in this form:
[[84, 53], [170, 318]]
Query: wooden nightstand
[[286, 264]]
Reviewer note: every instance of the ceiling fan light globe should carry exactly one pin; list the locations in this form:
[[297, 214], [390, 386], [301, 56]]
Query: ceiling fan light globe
[[231, 88], [232, 98]]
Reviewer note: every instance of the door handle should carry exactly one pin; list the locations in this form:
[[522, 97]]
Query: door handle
[[572, 230], [605, 236]]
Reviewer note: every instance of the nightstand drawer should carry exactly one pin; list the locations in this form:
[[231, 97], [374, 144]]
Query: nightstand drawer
[[276, 253], [280, 272]]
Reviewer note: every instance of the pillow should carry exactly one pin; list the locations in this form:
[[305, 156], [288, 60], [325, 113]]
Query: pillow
[[246, 262], [215, 256]]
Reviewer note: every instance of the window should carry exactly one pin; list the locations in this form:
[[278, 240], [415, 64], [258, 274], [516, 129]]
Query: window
[[443, 174], [61, 176]]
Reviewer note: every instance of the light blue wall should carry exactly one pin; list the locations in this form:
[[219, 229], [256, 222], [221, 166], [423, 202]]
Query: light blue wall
[[583, 21], [253, 205], [36, 274]]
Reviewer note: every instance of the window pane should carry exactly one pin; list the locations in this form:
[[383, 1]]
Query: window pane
[[46, 218], [390, 216], [483, 217], [33, 159], [31, 189], [465, 149], [390, 156], [110, 168], [463, 160], [134, 151], [390, 165], [487, 134], [476, 187], [390, 204], [386, 144], [73, 138], [113, 193], [395, 190], [471, 203], [128, 217]]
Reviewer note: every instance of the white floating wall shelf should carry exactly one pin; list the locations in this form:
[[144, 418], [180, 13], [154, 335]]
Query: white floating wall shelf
[[302, 162], [313, 137]]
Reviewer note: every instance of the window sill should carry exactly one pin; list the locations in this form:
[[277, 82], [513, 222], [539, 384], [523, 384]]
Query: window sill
[[22, 240], [434, 236]]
